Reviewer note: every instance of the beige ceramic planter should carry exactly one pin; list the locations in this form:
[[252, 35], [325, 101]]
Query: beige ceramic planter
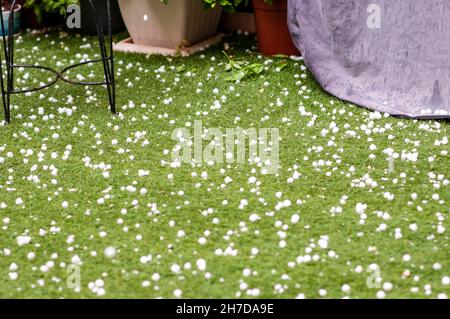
[[180, 23]]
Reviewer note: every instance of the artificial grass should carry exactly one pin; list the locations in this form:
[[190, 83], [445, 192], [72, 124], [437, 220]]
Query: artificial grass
[[54, 189]]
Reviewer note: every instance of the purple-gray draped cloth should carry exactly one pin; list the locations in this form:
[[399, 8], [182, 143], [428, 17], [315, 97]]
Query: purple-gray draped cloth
[[386, 55]]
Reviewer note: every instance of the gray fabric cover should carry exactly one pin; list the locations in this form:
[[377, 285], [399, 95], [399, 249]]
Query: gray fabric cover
[[401, 67]]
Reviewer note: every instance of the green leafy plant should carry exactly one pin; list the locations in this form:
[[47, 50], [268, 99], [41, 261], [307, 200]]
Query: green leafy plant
[[238, 70], [41, 6], [228, 5]]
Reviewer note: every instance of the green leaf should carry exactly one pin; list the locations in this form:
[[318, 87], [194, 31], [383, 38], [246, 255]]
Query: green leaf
[[181, 68], [235, 76], [282, 65], [280, 56]]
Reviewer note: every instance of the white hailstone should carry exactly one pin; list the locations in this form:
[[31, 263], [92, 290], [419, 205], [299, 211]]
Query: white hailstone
[[181, 234], [13, 275], [246, 272], [295, 218], [144, 259], [110, 252], [323, 243], [101, 292], [65, 204], [254, 292], [99, 283], [146, 283], [387, 286], [282, 244], [175, 268], [201, 264], [252, 180], [243, 286], [346, 288], [13, 267], [406, 258], [76, 260], [19, 201], [389, 196], [255, 251], [440, 229], [156, 277], [442, 296], [437, 266], [413, 227], [445, 280], [177, 293], [361, 208], [6, 221], [31, 255], [322, 292], [23, 240], [381, 294], [202, 240], [254, 218], [359, 269]]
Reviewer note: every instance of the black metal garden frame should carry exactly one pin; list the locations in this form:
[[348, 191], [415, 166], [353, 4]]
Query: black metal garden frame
[[107, 58]]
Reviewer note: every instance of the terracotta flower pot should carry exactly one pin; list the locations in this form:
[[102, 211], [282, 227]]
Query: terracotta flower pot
[[271, 27]]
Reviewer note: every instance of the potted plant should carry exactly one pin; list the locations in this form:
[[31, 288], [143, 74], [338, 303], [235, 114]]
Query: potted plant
[[271, 27], [6, 12], [170, 23], [45, 13]]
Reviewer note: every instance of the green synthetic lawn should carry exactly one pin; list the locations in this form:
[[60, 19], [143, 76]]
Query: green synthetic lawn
[[71, 181]]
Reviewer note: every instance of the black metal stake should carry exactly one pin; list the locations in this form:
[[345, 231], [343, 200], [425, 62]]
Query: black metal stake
[[107, 58]]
